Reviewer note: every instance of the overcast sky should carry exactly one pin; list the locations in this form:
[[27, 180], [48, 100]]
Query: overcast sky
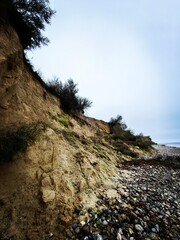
[[124, 55]]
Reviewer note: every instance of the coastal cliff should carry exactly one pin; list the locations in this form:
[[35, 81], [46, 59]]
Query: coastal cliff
[[50, 161]]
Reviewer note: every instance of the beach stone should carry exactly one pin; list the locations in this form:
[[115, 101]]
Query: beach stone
[[122, 217], [69, 233], [139, 227], [99, 237], [105, 223], [149, 211], [119, 237], [153, 236], [77, 209], [87, 229], [131, 231], [77, 230]]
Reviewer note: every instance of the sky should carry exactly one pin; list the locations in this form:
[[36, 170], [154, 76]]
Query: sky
[[124, 55]]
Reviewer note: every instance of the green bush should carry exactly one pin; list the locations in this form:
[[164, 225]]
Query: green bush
[[144, 142], [70, 102], [17, 140], [119, 131], [117, 123]]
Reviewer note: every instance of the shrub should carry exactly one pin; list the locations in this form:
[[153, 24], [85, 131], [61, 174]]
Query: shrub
[[17, 140], [70, 102], [144, 142], [117, 123], [119, 131]]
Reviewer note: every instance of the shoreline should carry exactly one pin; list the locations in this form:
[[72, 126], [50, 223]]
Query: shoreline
[[167, 150]]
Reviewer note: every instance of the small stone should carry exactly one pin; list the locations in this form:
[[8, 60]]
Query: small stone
[[77, 230], [153, 236], [82, 223], [153, 230], [48, 195], [120, 231], [51, 235], [77, 209], [124, 238], [157, 227], [87, 229], [69, 233], [119, 237], [146, 218], [139, 227], [133, 215], [105, 223], [74, 226], [122, 217], [99, 237], [131, 231]]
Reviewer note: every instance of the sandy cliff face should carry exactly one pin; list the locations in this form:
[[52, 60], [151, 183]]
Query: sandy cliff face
[[64, 167], [23, 99]]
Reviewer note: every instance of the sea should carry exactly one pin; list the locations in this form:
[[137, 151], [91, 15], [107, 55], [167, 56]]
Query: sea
[[173, 144]]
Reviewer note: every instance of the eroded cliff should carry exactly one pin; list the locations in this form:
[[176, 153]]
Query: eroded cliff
[[66, 164]]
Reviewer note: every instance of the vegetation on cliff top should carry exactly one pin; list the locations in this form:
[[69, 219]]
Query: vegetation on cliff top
[[70, 102], [28, 17], [120, 133]]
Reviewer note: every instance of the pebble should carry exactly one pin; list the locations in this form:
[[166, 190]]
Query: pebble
[[139, 227], [153, 236], [99, 237], [147, 208], [119, 237], [105, 223]]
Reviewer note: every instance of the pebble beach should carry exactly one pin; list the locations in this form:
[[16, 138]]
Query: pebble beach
[[146, 207]]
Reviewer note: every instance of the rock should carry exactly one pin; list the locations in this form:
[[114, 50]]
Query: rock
[[122, 217], [51, 235], [46, 182], [77, 230], [99, 237], [153, 236], [48, 195], [139, 228], [105, 223], [154, 230], [82, 223], [157, 227], [131, 231], [69, 234], [119, 237], [86, 229], [77, 209]]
